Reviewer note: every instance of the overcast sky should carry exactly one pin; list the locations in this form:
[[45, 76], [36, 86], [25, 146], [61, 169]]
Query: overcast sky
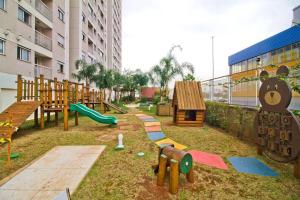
[[151, 27]]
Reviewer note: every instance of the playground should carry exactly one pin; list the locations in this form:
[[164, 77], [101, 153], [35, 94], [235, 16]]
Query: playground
[[124, 175], [76, 148]]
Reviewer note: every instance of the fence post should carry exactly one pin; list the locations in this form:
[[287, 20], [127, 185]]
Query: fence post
[[66, 85], [36, 112], [76, 101], [42, 120], [19, 88], [55, 100]]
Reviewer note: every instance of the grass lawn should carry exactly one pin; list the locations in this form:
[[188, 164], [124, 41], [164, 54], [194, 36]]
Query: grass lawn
[[124, 175]]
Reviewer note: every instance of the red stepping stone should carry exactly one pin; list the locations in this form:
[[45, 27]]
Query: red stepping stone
[[153, 128], [209, 159]]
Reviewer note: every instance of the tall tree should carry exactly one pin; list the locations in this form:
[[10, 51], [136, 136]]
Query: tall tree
[[168, 69], [86, 71]]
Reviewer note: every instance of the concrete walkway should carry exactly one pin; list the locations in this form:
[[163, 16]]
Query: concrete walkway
[[49, 176]]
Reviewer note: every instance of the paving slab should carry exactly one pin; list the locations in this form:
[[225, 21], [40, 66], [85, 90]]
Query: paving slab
[[152, 128], [169, 141], [60, 168], [151, 124]]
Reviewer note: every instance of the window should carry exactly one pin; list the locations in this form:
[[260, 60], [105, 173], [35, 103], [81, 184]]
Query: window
[[61, 15], [90, 9], [2, 4], [60, 40], [2, 46], [288, 56], [24, 16], [83, 36], [83, 57], [190, 115], [83, 18], [60, 67], [23, 54]]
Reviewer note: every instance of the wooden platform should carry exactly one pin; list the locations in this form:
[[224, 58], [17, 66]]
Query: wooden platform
[[19, 111], [115, 107]]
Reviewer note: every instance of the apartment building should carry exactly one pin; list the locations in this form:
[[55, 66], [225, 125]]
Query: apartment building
[[88, 28], [34, 40], [49, 36], [114, 29]]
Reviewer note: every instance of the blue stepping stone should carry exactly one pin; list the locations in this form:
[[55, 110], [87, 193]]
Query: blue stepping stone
[[156, 135], [251, 165], [150, 120]]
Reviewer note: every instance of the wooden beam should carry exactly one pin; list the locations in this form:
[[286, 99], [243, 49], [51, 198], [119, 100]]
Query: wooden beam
[[162, 168]]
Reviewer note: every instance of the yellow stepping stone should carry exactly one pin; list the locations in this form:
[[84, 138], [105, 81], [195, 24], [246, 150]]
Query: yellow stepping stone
[[152, 123], [169, 141], [139, 115]]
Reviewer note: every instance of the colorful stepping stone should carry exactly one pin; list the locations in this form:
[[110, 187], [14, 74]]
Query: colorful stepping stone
[[208, 159], [150, 120], [138, 115], [156, 135], [251, 165], [152, 124], [169, 141], [145, 117], [152, 128]]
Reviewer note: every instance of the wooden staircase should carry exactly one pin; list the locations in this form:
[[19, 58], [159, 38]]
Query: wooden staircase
[[115, 107], [18, 112]]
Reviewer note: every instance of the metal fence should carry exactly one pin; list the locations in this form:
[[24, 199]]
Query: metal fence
[[225, 89]]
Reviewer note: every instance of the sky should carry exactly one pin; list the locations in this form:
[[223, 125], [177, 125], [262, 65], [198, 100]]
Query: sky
[[152, 27]]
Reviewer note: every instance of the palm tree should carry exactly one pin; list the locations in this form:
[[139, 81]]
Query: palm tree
[[168, 69], [86, 71], [140, 79], [118, 82]]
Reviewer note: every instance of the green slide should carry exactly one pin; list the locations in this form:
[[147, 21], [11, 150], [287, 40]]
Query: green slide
[[82, 109]]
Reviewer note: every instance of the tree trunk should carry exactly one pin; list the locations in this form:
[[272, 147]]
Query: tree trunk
[[132, 94], [109, 95]]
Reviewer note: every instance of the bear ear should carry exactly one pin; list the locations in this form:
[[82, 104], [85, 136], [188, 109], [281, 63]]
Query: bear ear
[[264, 75], [283, 71]]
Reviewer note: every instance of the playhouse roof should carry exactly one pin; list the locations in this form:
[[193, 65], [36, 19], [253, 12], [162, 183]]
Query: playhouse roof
[[188, 95]]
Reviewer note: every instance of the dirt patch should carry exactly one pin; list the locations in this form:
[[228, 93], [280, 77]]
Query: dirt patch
[[136, 127], [106, 138], [149, 190]]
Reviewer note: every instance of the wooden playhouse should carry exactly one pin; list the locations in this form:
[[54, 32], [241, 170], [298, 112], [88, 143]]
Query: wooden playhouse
[[188, 104]]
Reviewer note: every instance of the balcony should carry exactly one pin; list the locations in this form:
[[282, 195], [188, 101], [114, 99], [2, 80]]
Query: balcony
[[43, 9], [43, 41], [46, 71]]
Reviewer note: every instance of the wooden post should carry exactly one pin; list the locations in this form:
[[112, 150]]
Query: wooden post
[[190, 176], [66, 86], [36, 112], [297, 168], [49, 99], [88, 95], [259, 150], [55, 100], [162, 168], [76, 101], [24, 89], [174, 176], [102, 108], [42, 120], [19, 88]]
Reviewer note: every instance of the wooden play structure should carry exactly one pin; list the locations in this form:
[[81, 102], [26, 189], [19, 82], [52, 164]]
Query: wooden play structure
[[188, 104], [41, 96], [178, 161]]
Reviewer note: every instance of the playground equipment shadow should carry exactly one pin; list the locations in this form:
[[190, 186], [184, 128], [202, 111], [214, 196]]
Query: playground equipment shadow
[[124, 175]]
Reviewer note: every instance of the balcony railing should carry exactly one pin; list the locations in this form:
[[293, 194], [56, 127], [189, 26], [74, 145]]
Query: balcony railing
[[46, 71], [43, 40], [43, 9]]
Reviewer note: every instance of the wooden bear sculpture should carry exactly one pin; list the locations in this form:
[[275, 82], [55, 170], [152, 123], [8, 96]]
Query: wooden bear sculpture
[[277, 130]]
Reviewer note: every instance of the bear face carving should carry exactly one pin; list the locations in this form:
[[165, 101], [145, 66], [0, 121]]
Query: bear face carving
[[275, 94]]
